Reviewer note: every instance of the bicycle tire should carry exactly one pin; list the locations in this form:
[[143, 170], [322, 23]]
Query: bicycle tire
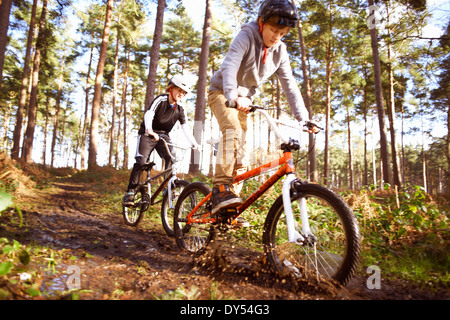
[[132, 215], [192, 237], [166, 212], [335, 254]]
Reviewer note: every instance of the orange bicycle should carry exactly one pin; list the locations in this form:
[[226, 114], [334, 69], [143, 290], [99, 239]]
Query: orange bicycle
[[308, 231]]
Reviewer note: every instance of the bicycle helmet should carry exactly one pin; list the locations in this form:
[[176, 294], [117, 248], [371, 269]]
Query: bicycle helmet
[[282, 12], [181, 82]]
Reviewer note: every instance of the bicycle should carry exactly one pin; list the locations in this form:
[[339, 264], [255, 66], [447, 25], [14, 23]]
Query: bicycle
[[308, 231], [171, 187]]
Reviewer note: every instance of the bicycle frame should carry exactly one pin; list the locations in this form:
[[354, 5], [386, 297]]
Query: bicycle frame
[[168, 181], [287, 169]]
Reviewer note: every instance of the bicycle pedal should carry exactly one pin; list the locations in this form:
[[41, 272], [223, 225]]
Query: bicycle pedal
[[226, 215]]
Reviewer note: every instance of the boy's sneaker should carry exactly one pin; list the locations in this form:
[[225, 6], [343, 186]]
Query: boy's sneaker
[[222, 197], [128, 198]]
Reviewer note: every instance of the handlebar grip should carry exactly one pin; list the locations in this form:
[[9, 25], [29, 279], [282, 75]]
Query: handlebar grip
[[231, 104]]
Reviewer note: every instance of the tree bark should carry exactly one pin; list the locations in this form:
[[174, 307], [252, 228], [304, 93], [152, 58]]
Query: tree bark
[[15, 151], [154, 54], [32, 109], [312, 168], [200, 103], [384, 153], [58, 108], [92, 159], [5, 11], [391, 109]]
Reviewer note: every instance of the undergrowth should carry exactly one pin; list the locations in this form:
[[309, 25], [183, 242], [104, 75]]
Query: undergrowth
[[404, 232]]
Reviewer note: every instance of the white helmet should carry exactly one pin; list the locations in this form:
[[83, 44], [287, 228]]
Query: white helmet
[[181, 82]]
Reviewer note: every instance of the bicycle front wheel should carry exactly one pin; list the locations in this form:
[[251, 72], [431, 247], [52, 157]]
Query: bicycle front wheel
[[333, 252], [166, 211], [193, 237], [133, 214]]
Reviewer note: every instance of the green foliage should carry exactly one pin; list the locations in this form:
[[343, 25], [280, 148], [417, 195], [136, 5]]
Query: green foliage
[[404, 232], [409, 209], [13, 259], [6, 203], [27, 271], [256, 214], [5, 200]]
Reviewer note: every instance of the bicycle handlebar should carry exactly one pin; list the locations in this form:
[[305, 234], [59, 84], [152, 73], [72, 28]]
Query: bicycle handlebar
[[310, 125], [166, 145]]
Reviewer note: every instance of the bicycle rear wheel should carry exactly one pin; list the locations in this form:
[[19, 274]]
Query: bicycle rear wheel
[[166, 212], [132, 215], [333, 255], [193, 237]]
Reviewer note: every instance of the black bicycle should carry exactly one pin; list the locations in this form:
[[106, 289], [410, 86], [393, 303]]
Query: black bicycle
[[147, 193]]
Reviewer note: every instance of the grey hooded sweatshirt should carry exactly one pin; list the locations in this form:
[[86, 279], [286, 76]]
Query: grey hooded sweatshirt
[[243, 70]]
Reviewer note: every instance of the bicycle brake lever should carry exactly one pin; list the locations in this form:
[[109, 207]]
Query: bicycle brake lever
[[310, 125], [233, 104]]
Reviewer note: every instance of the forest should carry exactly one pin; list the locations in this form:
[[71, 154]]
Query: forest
[[76, 77]]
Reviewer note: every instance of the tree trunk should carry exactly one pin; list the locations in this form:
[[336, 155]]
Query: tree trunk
[[114, 97], [154, 54], [384, 153], [200, 103], [5, 11], [6, 120], [32, 109], [391, 110], [58, 108], [350, 154], [312, 168], [326, 170], [125, 112], [47, 116], [329, 68], [92, 159], [447, 149], [365, 180], [86, 110], [23, 91]]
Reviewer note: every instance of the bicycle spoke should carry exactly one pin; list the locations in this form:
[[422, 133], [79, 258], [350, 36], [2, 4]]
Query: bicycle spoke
[[192, 236], [168, 209], [133, 214], [326, 253]]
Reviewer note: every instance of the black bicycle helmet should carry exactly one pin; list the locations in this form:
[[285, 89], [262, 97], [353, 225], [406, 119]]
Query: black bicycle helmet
[[282, 12]]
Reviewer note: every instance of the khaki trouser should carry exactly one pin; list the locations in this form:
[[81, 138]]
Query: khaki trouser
[[231, 160]]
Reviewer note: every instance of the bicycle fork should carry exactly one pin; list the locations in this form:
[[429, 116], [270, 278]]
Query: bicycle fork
[[293, 235], [169, 191]]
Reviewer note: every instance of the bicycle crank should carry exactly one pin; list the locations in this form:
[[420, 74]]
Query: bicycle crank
[[225, 217]]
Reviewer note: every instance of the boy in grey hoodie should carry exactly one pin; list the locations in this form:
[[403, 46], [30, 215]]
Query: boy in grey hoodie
[[254, 55]]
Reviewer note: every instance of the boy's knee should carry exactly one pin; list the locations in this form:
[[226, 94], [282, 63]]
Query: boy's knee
[[139, 162]]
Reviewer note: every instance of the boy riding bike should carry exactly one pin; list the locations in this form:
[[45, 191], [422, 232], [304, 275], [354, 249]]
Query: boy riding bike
[[254, 55], [159, 120]]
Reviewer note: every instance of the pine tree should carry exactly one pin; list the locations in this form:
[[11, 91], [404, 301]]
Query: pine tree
[[93, 141]]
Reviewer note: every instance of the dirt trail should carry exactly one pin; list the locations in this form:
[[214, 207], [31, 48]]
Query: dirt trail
[[120, 262]]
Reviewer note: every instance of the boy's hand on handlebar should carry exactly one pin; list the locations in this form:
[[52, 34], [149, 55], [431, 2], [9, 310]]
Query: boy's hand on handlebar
[[243, 104], [152, 134], [311, 127]]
